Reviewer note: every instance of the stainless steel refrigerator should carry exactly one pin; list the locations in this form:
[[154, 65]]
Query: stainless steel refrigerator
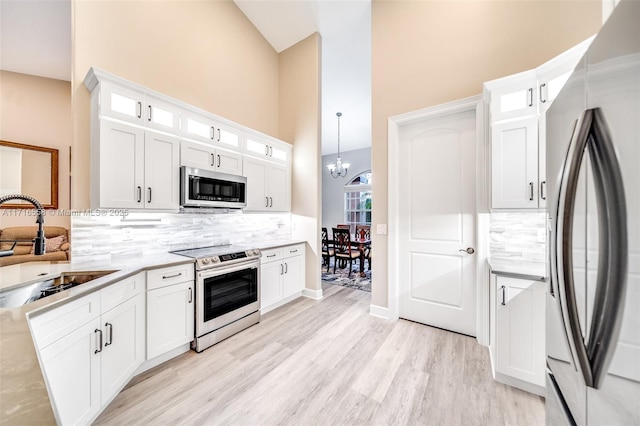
[[593, 175]]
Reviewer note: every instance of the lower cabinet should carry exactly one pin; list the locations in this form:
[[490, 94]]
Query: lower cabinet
[[282, 276], [170, 308], [88, 365], [519, 338]]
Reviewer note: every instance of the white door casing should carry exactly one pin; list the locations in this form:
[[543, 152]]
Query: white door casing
[[437, 209]]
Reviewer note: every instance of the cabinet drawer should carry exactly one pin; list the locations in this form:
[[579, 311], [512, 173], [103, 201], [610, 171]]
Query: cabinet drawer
[[57, 323], [158, 278], [271, 255], [122, 291], [294, 250]]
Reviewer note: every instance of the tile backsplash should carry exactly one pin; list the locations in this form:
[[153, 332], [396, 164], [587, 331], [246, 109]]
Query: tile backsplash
[[112, 237], [518, 235]]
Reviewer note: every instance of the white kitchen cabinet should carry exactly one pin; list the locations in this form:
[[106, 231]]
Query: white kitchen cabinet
[[519, 339], [207, 157], [268, 149], [170, 309], [135, 169], [517, 106], [207, 129], [514, 163], [123, 103], [268, 185], [282, 276], [88, 365]]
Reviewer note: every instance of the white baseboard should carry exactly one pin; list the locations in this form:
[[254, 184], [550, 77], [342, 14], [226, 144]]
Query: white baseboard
[[379, 311], [521, 384], [312, 294]]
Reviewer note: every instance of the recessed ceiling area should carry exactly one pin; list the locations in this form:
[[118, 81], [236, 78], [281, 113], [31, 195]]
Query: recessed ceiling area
[[35, 39]]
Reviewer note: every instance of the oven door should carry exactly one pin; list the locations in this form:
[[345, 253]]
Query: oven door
[[226, 294]]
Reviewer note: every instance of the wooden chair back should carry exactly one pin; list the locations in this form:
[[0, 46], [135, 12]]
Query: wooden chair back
[[342, 240], [363, 232]]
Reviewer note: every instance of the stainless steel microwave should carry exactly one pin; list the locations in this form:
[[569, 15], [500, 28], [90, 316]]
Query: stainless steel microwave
[[204, 188]]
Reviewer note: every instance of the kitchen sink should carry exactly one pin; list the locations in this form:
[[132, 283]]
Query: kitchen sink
[[31, 292]]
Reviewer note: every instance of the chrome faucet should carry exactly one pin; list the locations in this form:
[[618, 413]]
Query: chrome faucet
[[39, 247]]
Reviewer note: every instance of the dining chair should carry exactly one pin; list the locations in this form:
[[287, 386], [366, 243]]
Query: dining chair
[[327, 249], [363, 232], [343, 249]]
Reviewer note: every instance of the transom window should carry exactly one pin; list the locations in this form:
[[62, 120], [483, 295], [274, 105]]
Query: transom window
[[357, 201]]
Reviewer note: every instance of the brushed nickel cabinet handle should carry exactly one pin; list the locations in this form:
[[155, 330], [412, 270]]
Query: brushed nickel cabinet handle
[[213, 160], [149, 195], [543, 184], [530, 97], [218, 160], [149, 115], [109, 333], [139, 109], [97, 330], [139, 194], [190, 295], [542, 100], [504, 291], [166, 277], [530, 191]]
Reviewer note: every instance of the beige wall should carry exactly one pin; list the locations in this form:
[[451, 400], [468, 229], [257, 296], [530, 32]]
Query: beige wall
[[300, 107], [425, 53], [37, 111], [205, 53]]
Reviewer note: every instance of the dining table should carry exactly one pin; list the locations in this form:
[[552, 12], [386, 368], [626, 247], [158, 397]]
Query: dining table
[[362, 244]]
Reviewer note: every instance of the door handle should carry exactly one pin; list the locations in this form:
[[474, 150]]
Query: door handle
[[542, 100], [109, 334], [149, 195], [149, 116], [530, 191], [212, 133], [190, 295], [97, 330], [504, 295], [281, 269], [530, 97], [139, 194], [270, 201], [286, 268], [468, 250], [213, 160], [266, 204], [139, 109], [219, 134], [218, 160], [543, 185]]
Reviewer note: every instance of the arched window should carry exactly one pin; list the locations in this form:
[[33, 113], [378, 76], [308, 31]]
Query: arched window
[[357, 201]]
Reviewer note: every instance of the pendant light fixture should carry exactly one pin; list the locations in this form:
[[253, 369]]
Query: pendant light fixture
[[339, 169]]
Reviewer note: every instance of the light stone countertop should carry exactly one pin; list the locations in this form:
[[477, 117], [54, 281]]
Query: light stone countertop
[[518, 268], [23, 393]]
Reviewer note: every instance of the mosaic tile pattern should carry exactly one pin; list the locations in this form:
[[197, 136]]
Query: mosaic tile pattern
[[518, 236], [107, 237]]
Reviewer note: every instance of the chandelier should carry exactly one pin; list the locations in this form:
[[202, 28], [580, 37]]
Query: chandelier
[[340, 168]]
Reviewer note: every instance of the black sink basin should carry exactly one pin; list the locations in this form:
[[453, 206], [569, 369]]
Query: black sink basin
[[32, 292]]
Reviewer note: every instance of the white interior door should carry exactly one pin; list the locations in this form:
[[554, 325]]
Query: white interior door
[[437, 222]]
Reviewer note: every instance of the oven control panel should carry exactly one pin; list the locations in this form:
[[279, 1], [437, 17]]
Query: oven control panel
[[227, 258]]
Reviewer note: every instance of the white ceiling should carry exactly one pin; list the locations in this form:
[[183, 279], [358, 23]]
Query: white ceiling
[[35, 39]]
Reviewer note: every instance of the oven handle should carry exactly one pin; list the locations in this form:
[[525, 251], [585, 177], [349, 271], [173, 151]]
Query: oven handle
[[207, 273]]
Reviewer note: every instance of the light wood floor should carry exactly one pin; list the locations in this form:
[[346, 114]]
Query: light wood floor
[[328, 362]]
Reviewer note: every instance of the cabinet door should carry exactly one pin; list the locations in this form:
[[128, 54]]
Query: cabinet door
[[198, 155], [170, 318], [228, 137], [520, 322], [121, 103], [280, 152], [270, 284], [161, 171], [121, 176], [256, 173], [72, 370], [514, 164], [161, 115], [513, 96], [197, 127], [256, 146], [279, 191], [123, 330], [542, 161], [228, 162], [293, 282]]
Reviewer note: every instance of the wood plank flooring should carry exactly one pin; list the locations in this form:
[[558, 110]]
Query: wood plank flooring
[[327, 362]]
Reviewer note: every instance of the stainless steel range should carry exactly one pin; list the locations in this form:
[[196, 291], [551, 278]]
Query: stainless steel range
[[227, 291]]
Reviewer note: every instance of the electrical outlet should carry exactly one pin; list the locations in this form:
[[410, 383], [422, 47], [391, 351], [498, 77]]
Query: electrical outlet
[[127, 234], [381, 229]]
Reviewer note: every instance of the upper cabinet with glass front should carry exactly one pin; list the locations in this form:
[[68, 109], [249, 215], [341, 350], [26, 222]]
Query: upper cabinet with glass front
[[267, 148], [123, 103], [204, 128]]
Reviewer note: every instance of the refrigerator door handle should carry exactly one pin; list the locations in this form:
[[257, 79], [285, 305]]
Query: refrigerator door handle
[[613, 245], [591, 132]]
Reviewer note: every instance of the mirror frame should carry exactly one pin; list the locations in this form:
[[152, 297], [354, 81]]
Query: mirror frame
[[54, 175]]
